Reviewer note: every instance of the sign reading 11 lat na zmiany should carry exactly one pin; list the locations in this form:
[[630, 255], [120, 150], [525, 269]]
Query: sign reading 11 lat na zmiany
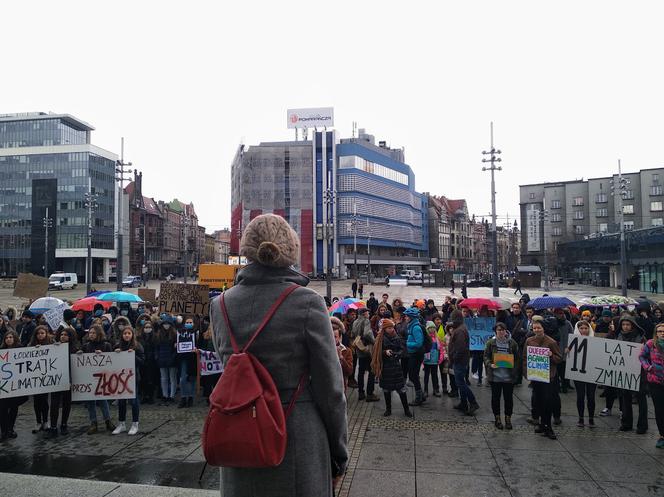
[[596, 360]]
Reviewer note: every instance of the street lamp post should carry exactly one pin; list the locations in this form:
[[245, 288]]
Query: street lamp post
[[621, 191], [493, 153], [329, 198], [186, 246], [91, 205], [121, 168], [544, 217], [48, 223], [368, 252], [354, 224]]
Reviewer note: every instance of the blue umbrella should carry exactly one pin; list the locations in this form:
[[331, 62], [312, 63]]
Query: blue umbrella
[[550, 302], [97, 293], [120, 297], [44, 304]]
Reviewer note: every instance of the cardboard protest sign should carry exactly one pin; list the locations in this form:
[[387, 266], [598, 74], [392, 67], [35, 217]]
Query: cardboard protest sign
[[604, 362], [33, 370], [109, 375], [538, 363], [185, 341], [54, 316], [209, 363], [178, 298], [30, 286], [479, 330], [147, 294], [503, 360]]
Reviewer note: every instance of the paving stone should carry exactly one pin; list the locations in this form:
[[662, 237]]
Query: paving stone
[[449, 439], [381, 457], [614, 489], [540, 487], [583, 445], [389, 436], [633, 468], [382, 483], [455, 460], [437, 485], [554, 465]]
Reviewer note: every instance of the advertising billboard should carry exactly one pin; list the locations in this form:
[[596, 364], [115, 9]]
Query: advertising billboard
[[533, 218], [320, 117]]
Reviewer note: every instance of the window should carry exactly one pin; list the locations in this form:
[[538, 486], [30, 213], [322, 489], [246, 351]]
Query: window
[[555, 204], [353, 161], [629, 225], [577, 201], [657, 221], [628, 209], [655, 178], [578, 214], [556, 231], [603, 227], [628, 195], [656, 206], [601, 198], [604, 212], [578, 229], [532, 196], [555, 218], [656, 190], [555, 245]]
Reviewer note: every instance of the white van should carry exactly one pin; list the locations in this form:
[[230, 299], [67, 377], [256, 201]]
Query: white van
[[62, 281]]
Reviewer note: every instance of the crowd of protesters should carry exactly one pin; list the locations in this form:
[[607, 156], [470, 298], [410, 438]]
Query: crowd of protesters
[[161, 372], [392, 343]]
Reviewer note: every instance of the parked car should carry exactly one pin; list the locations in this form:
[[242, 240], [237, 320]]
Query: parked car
[[62, 281], [132, 281]]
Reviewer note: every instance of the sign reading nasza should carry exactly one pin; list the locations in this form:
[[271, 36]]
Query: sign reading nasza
[[604, 362], [33, 370], [178, 298], [479, 331], [109, 375]]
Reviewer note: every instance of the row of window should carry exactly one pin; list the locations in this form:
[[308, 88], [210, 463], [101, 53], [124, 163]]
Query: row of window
[[376, 208], [354, 182], [353, 161], [604, 227], [604, 212], [602, 198]]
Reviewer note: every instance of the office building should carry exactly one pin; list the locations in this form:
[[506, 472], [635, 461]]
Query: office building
[[47, 165]]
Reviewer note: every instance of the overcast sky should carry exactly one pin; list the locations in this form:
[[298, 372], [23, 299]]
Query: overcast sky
[[571, 85]]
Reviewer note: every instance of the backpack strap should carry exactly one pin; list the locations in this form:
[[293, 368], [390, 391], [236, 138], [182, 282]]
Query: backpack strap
[[297, 393], [270, 313]]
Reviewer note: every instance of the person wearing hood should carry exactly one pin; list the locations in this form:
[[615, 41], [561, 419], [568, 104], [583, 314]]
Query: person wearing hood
[[296, 347], [125, 310], [344, 353], [96, 343], [652, 362], [501, 372], [97, 312], [459, 351], [429, 310], [630, 332], [585, 391], [149, 371], [114, 312], [432, 360], [385, 364], [164, 354], [415, 347], [118, 326], [11, 313], [644, 320]]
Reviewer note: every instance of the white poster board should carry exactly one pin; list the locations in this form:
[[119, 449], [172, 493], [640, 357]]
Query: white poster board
[[54, 316], [33, 370], [604, 362], [533, 227], [210, 363], [538, 363], [109, 375]]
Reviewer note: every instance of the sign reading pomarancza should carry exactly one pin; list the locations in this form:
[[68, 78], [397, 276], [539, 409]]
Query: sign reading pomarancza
[[109, 375], [604, 362], [33, 370], [210, 363], [479, 331], [538, 363], [30, 286], [178, 298], [320, 117]]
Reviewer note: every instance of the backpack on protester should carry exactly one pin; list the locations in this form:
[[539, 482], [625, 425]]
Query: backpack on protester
[[246, 423]]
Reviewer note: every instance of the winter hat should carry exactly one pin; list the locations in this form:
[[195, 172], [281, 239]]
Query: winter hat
[[412, 312], [270, 241], [68, 315], [586, 313], [337, 323], [27, 314], [108, 317], [386, 323], [431, 325], [607, 313]]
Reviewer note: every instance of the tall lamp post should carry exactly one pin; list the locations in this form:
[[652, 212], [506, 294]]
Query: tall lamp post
[[185, 222], [48, 223], [91, 205], [544, 217], [368, 252], [621, 191], [354, 225], [329, 198], [493, 159], [122, 168]]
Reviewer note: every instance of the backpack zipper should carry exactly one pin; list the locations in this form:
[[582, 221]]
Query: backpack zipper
[[253, 411]]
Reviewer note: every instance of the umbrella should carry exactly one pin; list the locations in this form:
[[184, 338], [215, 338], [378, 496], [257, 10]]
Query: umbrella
[[492, 304], [642, 299], [550, 302], [97, 293], [88, 304], [120, 297], [43, 304], [606, 301], [342, 306]]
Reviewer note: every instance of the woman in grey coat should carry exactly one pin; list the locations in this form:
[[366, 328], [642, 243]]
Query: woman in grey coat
[[298, 340]]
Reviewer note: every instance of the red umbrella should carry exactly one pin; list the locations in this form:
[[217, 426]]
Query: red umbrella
[[88, 303], [478, 302]]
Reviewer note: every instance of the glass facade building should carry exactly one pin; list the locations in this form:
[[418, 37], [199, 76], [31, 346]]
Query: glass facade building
[[47, 146]]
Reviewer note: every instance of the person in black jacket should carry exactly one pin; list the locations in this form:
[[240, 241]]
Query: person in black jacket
[[129, 343], [385, 364], [205, 342], [632, 333], [187, 363], [372, 304], [164, 353], [26, 327], [9, 406], [149, 371], [66, 337]]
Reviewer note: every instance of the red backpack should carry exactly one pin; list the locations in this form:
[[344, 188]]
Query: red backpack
[[246, 424]]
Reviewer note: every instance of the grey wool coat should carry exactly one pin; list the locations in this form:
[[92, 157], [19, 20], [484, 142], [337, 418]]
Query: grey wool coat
[[298, 338]]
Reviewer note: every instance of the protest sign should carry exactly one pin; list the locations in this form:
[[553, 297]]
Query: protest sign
[[33, 370], [604, 362], [503, 360], [185, 341], [30, 286], [479, 331], [109, 375], [54, 316], [538, 364], [209, 363], [178, 298], [147, 294]]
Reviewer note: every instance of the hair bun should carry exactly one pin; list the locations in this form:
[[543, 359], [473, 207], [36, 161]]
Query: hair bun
[[268, 253]]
